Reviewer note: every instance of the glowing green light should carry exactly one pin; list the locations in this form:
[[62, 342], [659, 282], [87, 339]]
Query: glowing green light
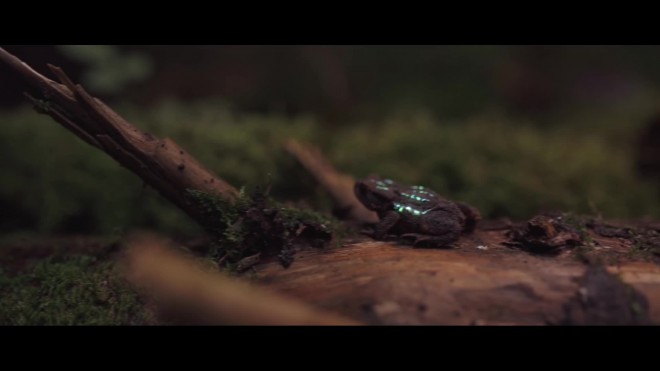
[[408, 209], [415, 197]]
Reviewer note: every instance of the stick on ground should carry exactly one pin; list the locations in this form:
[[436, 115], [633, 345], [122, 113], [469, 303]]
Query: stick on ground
[[212, 298], [161, 163], [338, 185]]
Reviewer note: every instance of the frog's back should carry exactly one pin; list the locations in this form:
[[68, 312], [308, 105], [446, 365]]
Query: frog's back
[[420, 196]]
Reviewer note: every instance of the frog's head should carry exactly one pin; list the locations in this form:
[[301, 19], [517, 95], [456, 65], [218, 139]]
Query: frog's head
[[376, 193]]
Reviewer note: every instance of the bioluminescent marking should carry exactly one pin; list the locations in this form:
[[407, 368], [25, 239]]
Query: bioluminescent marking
[[421, 190], [415, 197], [382, 185], [409, 209]]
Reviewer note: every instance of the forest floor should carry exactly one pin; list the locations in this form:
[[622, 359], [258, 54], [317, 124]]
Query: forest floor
[[483, 280], [551, 269]]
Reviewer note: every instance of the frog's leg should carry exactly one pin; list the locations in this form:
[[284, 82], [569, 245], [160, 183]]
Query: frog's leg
[[472, 216], [439, 230], [425, 240], [386, 223]]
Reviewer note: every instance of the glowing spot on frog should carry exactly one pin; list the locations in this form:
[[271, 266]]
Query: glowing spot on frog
[[419, 190], [388, 181], [415, 197], [380, 185], [408, 209]]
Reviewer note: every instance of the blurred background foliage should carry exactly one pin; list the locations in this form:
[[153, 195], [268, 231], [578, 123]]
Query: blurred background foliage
[[511, 129], [108, 71]]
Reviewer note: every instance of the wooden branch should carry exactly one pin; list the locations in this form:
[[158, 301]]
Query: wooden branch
[[338, 185], [178, 285], [162, 164]]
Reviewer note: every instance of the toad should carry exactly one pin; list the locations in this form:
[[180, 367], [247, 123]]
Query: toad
[[415, 212]]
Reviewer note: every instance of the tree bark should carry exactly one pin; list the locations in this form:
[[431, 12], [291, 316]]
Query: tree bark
[[382, 283]]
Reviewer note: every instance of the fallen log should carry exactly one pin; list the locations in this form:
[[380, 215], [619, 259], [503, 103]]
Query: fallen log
[[380, 283]]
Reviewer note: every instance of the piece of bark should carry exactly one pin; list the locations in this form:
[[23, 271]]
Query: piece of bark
[[162, 164], [339, 186], [545, 234], [181, 287]]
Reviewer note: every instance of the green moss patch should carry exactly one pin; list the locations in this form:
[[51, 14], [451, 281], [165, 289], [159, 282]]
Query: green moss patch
[[254, 225], [73, 290]]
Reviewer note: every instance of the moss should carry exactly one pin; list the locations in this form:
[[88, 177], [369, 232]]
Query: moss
[[256, 224], [220, 220], [505, 166], [74, 290]]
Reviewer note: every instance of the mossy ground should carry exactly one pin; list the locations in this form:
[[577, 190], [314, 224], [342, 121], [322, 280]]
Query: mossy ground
[[505, 166], [254, 224], [69, 290]]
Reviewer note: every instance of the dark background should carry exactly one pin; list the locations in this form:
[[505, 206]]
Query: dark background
[[512, 129], [344, 81]]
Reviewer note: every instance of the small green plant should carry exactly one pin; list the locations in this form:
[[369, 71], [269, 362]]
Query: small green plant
[[253, 223]]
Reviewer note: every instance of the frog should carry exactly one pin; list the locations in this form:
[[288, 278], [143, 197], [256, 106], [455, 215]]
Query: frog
[[414, 213]]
